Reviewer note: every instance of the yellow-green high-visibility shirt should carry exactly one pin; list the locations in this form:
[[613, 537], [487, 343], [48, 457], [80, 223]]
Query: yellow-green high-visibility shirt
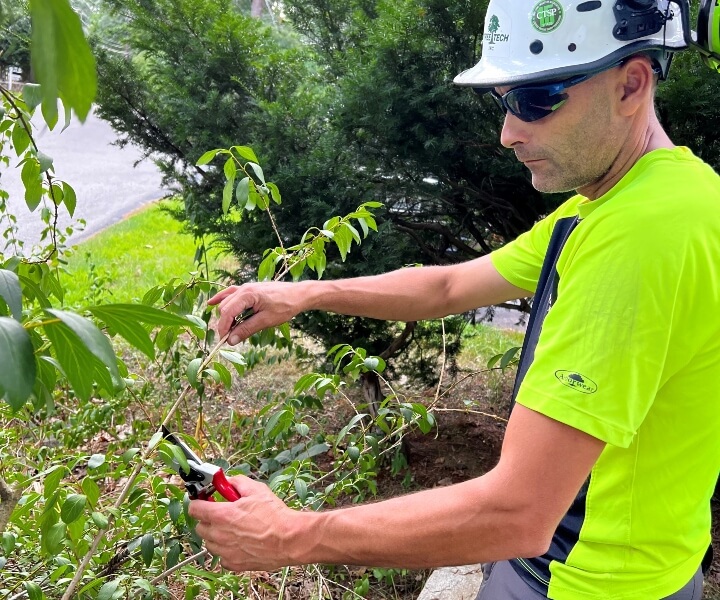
[[629, 353]]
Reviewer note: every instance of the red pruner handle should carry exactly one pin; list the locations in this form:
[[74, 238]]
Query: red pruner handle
[[224, 487]]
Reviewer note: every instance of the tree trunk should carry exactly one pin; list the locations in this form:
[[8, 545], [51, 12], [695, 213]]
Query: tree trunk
[[9, 497], [372, 392], [257, 8]]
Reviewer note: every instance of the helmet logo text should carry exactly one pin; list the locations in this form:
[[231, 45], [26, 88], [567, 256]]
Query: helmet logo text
[[492, 34], [547, 16]]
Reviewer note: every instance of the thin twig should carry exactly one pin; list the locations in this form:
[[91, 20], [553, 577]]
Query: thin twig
[[179, 566], [131, 481]]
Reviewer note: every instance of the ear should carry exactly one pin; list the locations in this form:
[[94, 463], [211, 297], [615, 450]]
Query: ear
[[636, 85]]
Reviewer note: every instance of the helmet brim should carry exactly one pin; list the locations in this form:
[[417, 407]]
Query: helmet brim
[[485, 76]]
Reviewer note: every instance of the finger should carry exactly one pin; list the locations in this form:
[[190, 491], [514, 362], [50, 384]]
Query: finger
[[230, 308], [222, 295], [246, 486], [204, 511]]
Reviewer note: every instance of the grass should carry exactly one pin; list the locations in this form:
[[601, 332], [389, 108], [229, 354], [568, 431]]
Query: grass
[[481, 342], [129, 258]]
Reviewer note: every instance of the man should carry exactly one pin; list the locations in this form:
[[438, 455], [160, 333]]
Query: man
[[612, 449]]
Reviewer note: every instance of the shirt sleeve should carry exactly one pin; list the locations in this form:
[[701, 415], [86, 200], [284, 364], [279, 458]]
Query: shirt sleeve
[[520, 261], [601, 354]]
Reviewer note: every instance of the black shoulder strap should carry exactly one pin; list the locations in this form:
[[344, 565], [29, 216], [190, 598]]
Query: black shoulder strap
[[544, 297]]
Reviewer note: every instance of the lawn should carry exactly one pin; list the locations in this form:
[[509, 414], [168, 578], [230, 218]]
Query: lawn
[[124, 261]]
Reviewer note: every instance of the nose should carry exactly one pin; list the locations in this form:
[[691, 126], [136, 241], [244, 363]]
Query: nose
[[514, 131]]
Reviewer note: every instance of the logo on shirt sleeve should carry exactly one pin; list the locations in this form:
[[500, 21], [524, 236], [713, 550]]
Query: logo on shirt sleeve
[[576, 381]]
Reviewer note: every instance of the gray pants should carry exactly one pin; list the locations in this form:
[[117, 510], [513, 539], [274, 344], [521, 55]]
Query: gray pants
[[501, 582]]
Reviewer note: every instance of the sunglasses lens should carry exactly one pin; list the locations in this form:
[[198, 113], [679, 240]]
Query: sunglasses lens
[[532, 104]]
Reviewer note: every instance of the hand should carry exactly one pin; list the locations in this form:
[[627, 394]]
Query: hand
[[250, 534], [273, 303]]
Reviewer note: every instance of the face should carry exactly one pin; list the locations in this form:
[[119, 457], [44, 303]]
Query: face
[[573, 147]]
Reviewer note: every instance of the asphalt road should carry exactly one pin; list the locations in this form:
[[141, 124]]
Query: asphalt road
[[107, 183]]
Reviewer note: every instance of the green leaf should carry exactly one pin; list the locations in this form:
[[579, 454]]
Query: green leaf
[[69, 198], [266, 270], [224, 374], [301, 489], [242, 191], [96, 460], [61, 59], [11, 292], [44, 161], [227, 195], [155, 439], [17, 375], [100, 520], [258, 171], [52, 480], [173, 555], [33, 291], [275, 193], [34, 592], [371, 362], [78, 364], [315, 450], [91, 489], [207, 157], [147, 548], [192, 370], [179, 458], [493, 360], [8, 543], [56, 194], [54, 538], [20, 138], [125, 319], [132, 330], [230, 169], [72, 508], [32, 180], [90, 336], [107, 591], [246, 152], [234, 357], [32, 95], [508, 357], [174, 510]]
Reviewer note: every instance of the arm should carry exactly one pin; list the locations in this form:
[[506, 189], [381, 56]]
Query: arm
[[409, 294], [510, 512]]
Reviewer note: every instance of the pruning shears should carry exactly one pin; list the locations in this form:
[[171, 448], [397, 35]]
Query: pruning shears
[[204, 478]]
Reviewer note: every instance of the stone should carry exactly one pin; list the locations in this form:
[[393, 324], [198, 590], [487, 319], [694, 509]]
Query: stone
[[453, 583]]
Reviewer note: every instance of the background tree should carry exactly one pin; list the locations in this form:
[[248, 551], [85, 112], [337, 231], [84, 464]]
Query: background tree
[[15, 37], [363, 109], [354, 103]]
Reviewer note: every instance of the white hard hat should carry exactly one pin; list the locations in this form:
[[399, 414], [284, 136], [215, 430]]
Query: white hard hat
[[546, 40]]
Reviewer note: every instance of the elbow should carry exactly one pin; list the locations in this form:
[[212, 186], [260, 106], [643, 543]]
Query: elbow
[[534, 535]]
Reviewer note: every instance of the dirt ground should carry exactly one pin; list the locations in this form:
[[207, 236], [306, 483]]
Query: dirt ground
[[466, 443]]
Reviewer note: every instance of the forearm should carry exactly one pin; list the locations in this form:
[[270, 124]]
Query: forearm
[[413, 293], [460, 524]]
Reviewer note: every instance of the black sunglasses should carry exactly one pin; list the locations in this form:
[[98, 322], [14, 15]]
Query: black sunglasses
[[533, 102]]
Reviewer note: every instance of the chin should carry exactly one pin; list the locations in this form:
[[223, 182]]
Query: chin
[[551, 187]]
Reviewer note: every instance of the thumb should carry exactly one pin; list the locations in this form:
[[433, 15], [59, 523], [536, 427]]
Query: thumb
[[246, 486]]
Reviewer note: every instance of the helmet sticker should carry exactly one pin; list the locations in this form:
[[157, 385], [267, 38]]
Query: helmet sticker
[[497, 32], [547, 16]]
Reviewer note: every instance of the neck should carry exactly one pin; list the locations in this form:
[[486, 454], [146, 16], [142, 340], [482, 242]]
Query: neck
[[641, 139]]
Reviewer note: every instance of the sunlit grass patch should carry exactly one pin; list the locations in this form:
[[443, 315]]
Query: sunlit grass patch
[[122, 262]]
